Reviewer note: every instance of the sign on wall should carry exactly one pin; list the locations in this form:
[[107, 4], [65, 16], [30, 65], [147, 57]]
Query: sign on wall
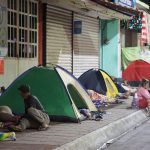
[[3, 28], [127, 3], [78, 27]]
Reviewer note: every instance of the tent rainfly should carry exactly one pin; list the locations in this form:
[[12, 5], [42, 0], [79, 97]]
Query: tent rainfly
[[59, 92]]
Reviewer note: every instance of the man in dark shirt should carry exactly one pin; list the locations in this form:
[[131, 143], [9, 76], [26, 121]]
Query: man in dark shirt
[[35, 116], [32, 101]]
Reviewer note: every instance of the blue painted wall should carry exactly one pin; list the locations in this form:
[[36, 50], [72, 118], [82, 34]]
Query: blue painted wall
[[109, 47]]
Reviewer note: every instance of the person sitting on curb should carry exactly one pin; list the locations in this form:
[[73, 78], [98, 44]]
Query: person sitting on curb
[[35, 116], [144, 95]]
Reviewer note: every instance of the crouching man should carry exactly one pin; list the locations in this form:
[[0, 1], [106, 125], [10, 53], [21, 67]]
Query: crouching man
[[35, 116]]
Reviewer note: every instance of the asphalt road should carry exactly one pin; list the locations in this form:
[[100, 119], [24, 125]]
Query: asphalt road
[[138, 139]]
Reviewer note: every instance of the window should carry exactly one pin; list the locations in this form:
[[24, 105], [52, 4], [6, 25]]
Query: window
[[22, 28], [131, 38]]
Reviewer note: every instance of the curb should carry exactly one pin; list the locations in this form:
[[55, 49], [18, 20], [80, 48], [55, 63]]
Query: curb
[[98, 138]]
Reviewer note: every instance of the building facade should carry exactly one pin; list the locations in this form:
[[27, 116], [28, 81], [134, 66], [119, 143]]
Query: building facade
[[22, 38], [68, 33]]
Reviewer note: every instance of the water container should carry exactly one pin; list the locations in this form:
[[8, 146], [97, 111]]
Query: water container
[[135, 102]]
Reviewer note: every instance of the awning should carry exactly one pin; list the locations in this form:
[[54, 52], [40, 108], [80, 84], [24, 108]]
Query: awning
[[89, 8], [142, 5], [118, 7]]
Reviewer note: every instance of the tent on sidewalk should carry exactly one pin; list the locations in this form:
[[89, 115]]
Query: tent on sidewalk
[[58, 91], [136, 71], [99, 81]]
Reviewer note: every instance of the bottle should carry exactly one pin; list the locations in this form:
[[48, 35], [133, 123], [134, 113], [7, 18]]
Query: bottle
[[135, 104], [136, 100], [8, 135]]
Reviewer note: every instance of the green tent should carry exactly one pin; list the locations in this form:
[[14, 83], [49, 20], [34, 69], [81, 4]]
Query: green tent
[[58, 91]]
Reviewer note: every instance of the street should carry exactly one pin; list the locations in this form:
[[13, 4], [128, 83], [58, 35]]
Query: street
[[138, 139]]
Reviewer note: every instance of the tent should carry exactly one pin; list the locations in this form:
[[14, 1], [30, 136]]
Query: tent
[[59, 92], [99, 81], [136, 71]]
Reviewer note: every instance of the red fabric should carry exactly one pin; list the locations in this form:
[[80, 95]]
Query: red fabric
[[40, 33], [143, 104], [144, 32], [1, 66], [136, 71]]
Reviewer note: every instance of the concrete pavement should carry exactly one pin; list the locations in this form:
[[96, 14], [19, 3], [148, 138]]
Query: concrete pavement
[[89, 135], [138, 139]]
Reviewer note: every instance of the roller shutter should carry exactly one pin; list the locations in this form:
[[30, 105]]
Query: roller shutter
[[86, 45], [59, 37]]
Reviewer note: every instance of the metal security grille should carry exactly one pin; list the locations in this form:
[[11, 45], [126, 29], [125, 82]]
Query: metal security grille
[[86, 45], [59, 37], [22, 28]]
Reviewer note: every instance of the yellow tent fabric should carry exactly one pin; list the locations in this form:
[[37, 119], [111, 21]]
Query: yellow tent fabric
[[100, 82], [112, 90]]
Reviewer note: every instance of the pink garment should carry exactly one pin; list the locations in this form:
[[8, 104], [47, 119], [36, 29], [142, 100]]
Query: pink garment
[[142, 93]]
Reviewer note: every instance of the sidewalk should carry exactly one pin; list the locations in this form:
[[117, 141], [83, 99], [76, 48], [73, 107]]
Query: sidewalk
[[62, 133]]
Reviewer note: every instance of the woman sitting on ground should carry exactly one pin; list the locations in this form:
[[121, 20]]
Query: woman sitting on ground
[[144, 95]]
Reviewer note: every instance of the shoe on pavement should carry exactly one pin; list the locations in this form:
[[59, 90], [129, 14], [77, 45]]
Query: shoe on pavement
[[43, 127]]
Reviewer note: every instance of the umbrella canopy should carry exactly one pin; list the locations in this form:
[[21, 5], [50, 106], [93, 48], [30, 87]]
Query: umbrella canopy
[[136, 71]]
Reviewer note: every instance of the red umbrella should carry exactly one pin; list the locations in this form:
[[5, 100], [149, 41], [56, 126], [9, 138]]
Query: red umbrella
[[136, 71]]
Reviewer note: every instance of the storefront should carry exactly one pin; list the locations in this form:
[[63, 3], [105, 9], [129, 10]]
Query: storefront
[[73, 34], [112, 38], [65, 46], [22, 38], [59, 37], [86, 44], [65, 33], [111, 48]]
